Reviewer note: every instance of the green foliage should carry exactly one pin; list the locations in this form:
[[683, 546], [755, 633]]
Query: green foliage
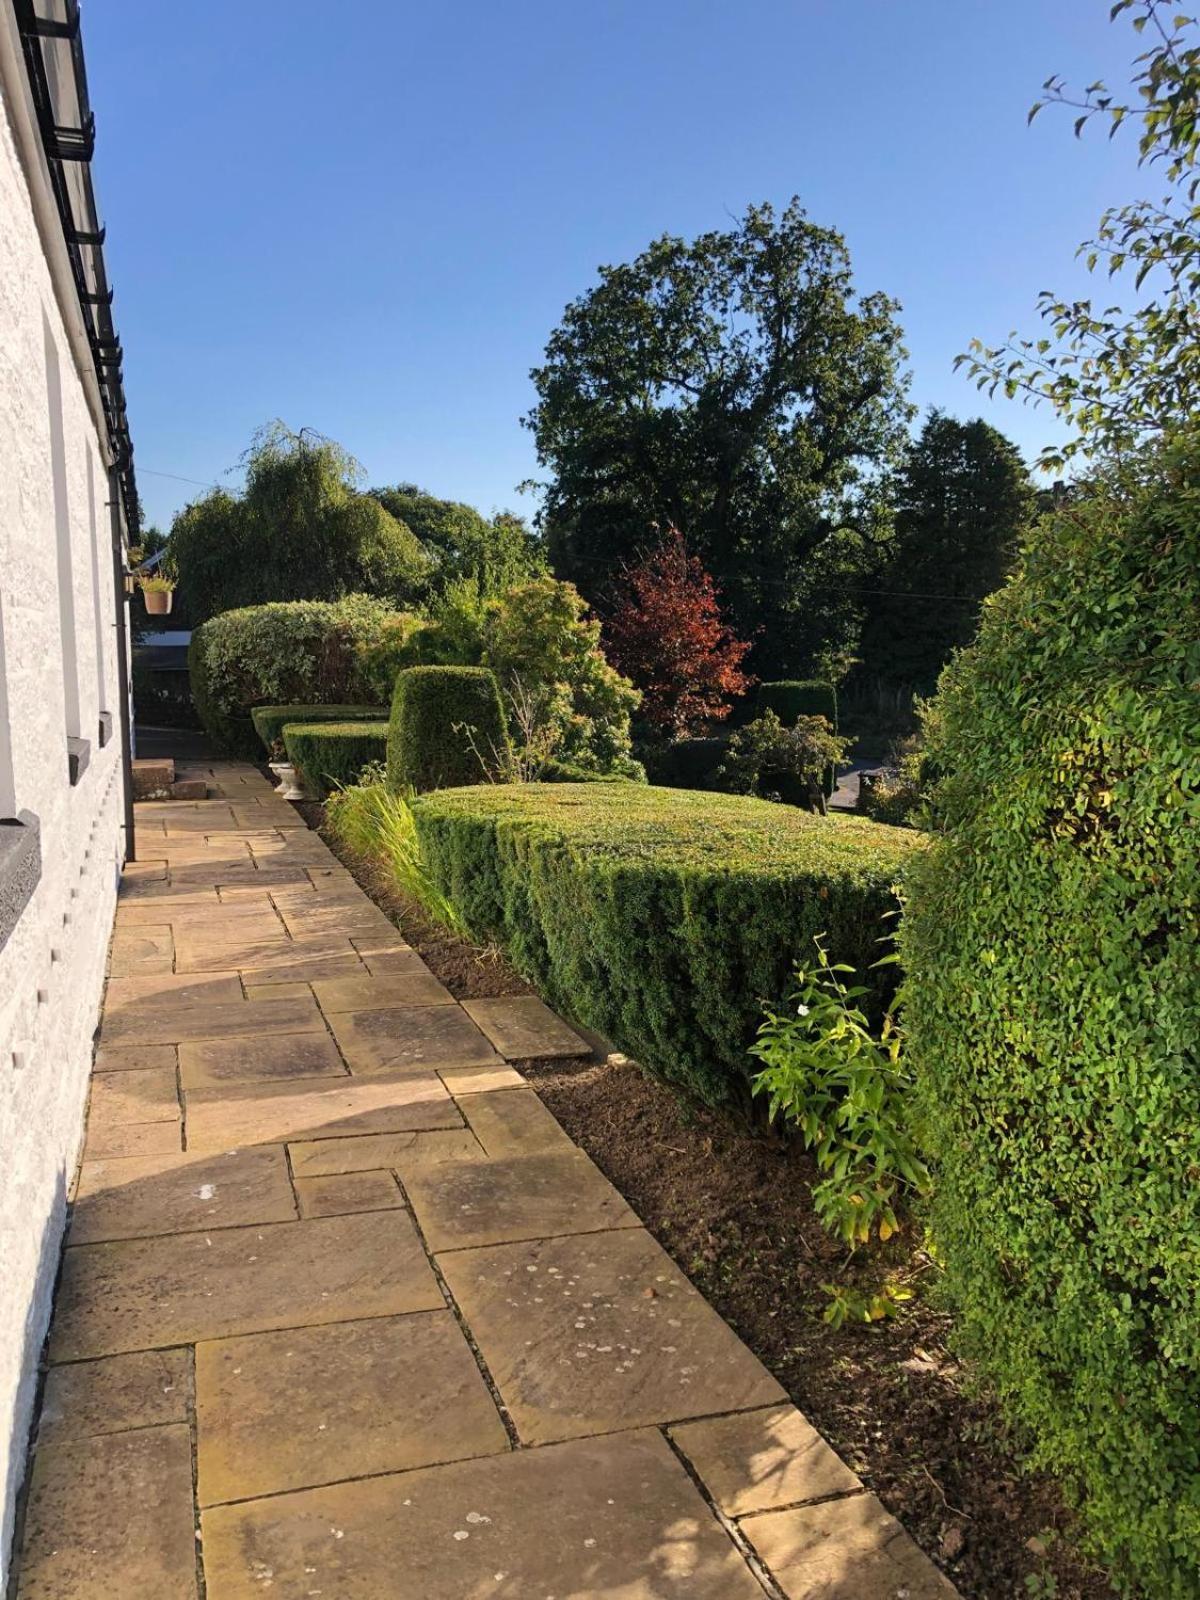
[[270, 721], [331, 755], [447, 729], [661, 917], [1123, 378], [790, 698], [844, 1091], [687, 763], [736, 387], [1052, 1008], [303, 652], [301, 530], [377, 825], [489, 554], [850, 1305], [962, 502], [789, 764]]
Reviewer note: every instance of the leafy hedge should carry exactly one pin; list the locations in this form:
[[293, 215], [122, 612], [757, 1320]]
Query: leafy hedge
[[306, 652], [663, 917], [270, 721], [332, 755], [1052, 945], [447, 728], [790, 698]]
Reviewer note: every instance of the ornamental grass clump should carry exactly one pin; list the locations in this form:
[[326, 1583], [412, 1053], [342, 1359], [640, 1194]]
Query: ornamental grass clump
[[1051, 942]]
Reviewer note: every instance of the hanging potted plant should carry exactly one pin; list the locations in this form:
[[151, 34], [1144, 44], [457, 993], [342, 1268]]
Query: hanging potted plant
[[158, 592]]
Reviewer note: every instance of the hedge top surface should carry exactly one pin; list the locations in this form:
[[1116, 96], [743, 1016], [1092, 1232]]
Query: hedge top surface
[[270, 721], [686, 828], [362, 727]]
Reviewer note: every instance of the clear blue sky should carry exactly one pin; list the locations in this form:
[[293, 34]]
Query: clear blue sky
[[366, 218]]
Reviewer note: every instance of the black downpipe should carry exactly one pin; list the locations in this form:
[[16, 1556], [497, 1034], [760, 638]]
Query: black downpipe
[[118, 555]]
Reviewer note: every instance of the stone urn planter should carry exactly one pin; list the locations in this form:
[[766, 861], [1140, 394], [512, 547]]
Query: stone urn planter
[[291, 785]]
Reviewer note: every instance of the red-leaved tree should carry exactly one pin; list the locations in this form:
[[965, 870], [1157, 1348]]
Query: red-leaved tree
[[668, 635]]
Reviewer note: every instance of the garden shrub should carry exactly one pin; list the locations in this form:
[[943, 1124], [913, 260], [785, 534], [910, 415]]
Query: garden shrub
[[306, 652], [270, 721], [332, 755], [663, 917], [1052, 1006], [790, 698], [447, 729], [791, 764], [687, 763]]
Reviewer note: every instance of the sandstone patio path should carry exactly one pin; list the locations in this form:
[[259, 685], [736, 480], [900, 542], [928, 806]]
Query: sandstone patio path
[[344, 1313]]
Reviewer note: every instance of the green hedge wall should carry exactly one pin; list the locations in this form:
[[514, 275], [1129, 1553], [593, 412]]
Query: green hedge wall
[[663, 917], [331, 755], [447, 728], [790, 698], [298, 652], [270, 721], [1052, 950]]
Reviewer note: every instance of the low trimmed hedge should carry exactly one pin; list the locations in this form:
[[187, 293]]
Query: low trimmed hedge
[[688, 763], [663, 918], [270, 721], [790, 698], [447, 729], [332, 755]]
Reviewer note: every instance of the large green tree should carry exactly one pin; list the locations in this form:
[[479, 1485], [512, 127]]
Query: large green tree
[[492, 553], [736, 387], [962, 500], [300, 530]]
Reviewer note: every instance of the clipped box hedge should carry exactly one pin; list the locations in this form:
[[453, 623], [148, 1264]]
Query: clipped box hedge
[[790, 698], [663, 918], [447, 729], [270, 721], [329, 755]]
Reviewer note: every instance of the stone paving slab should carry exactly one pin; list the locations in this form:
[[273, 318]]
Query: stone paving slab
[[145, 1389], [143, 1294], [344, 1192], [145, 1095], [405, 1153], [462, 1204], [325, 1109], [178, 1023], [143, 1196], [600, 1332], [844, 1550], [169, 990], [381, 994], [418, 1038], [522, 1028], [111, 1518], [762, 1460], [309, 1406], [134, 1059], [142, 950], [598, 1519], [133, 1139], [256, 1058], [478, 1080], [208, 950], [514, 1122]]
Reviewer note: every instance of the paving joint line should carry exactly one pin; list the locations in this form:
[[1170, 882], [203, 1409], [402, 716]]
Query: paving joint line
[[733, 1532]]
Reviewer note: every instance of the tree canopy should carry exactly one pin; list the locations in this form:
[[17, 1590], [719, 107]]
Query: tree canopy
[[963, 499], [300, 530], [490, 553], [735, 387]]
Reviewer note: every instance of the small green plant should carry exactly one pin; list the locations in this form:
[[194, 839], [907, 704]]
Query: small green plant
[[778, 763], [827, 1076], [847, 1304], [377, 824]]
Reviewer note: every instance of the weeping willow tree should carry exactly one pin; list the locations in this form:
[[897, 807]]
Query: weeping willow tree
[[301, 529]]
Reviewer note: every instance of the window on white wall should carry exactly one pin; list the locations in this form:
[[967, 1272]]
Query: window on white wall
[[62, 538]]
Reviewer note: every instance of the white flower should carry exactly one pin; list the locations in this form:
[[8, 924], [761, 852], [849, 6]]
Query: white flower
[[801, 1011]]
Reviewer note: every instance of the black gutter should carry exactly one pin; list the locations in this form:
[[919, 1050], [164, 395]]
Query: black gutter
[[118, 558]]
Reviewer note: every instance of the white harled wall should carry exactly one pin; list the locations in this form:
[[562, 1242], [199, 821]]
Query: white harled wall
[[58, 673]]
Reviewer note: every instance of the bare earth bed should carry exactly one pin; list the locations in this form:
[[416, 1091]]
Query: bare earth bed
[[732, 1209]]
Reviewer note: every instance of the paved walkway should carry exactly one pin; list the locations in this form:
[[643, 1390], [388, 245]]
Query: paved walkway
[[345, 1314]]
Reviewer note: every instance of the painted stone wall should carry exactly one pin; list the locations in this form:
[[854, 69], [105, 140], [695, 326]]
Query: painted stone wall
[[58, 680]]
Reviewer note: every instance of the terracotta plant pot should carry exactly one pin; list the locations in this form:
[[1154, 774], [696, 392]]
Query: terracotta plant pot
[[158, 601]]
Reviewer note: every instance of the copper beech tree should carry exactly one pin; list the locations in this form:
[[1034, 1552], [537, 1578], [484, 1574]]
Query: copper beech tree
[[667, 634]]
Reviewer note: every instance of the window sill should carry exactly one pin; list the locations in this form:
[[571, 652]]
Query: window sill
[[79, 753], [20, 868]]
